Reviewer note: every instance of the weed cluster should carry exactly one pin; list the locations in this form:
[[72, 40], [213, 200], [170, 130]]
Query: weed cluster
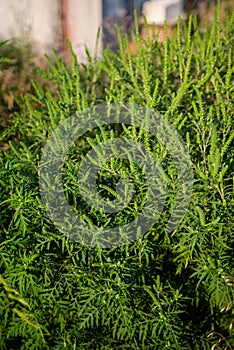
[[164, 291]]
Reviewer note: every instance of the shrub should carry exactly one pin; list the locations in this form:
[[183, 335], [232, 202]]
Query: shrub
[[164, 290]]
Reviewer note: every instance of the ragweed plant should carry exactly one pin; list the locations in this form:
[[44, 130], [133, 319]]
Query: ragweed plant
[[164, 290]]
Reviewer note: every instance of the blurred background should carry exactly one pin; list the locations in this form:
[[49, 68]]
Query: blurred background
[[46, 24]]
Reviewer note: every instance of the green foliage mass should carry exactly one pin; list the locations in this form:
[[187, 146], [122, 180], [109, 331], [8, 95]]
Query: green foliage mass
[[164, 291]]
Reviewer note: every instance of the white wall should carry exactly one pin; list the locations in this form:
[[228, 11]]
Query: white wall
[[41, 22], [85, 16], [38, 21]]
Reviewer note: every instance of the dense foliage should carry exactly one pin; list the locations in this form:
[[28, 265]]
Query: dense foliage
[[163, 291]]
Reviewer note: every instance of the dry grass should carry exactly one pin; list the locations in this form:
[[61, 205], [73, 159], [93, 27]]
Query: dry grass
[[16, 76], [206, 13]]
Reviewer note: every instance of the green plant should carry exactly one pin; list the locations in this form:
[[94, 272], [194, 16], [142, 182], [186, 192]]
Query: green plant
[[164, 291]]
